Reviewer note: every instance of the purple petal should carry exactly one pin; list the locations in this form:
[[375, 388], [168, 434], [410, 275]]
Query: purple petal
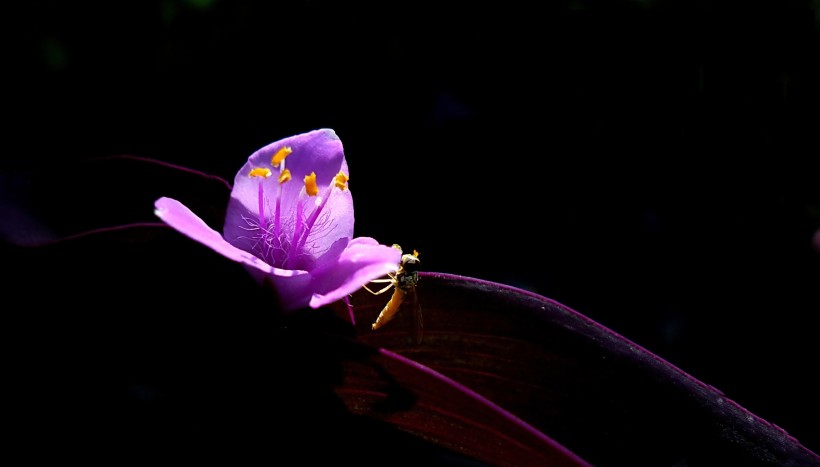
[[293, 291], [182, 219], [363, 260], [335, 281], [329, 258], [337, 224], [318, 151]]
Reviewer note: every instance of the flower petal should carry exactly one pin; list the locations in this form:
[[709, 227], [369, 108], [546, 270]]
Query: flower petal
[[293, 291], [363, 260], [328, 231], [318, 151], [341, 271], [185, 221]]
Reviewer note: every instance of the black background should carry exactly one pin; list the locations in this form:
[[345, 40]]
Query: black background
[[647, 163]]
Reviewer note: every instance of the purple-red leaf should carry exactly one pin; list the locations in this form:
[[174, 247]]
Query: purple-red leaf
[[426, 403], [603, 397], [40, 205]]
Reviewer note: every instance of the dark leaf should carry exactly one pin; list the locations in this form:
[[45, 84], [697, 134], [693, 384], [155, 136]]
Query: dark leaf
[[45, 204], [603, 397]]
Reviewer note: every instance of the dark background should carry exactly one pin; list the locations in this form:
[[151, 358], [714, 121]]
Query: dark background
[[646, 163]]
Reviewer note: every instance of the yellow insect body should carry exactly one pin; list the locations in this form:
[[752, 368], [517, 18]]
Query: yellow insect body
[[390, 309]]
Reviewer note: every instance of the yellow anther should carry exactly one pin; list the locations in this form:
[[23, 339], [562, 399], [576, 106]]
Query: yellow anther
[[341, 181], [310, 184], [284, 176], [260, 172], [280, 156], [415, 253]]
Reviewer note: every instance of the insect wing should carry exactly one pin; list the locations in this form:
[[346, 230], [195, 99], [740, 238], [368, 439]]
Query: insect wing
[[416, 319]]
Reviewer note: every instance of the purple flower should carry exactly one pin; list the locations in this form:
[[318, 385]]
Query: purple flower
[[290, 222]]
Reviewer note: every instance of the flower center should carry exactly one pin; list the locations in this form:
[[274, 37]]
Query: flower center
[[281, 240]]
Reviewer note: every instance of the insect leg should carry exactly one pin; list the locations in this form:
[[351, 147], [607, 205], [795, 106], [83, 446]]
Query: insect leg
[[383, 290]]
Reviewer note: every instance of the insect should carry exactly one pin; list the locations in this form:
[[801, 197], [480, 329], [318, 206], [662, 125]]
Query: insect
[[403, 282]]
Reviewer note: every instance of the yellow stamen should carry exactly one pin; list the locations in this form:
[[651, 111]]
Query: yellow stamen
[[415, 253], [260, 172], [284, 176], [341, 181], [280, 156], [310, 184]]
